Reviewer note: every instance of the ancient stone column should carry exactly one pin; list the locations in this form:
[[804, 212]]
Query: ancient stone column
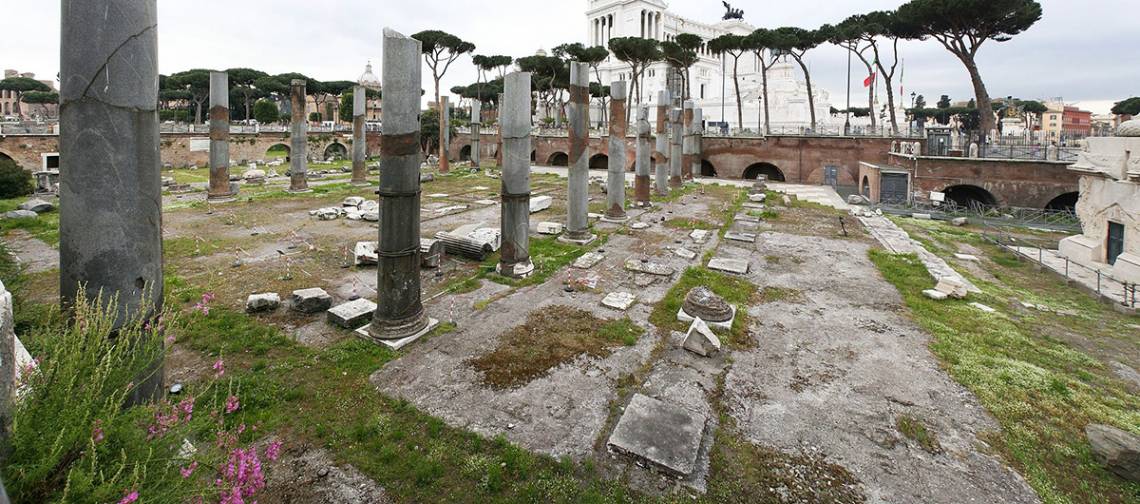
[[698, 132], [110, 219], [514, 128], [445, 135], [476, 127], [359, 140], [219, 138], [399, 313], [615, 181], [641, 164], [662, 150], [577, 220], [676, 135], [687, 141], [499, 147], [298, 139]]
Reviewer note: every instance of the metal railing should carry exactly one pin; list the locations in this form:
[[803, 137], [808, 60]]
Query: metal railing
[[1034, 218], [1104, 285], [186, 129]]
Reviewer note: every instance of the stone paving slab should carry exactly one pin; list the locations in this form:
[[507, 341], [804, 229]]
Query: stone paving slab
[[894, 239], [664, 435], [734, 266]]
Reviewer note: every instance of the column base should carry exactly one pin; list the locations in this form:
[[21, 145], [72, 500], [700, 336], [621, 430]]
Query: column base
[[620, 219], [675, 182], [360, 183], [518, 271], [299, 191], [396, 344], [221, 198], [578, 239]]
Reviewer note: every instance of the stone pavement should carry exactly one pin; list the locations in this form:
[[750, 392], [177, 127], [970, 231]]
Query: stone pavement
[[894, 239]]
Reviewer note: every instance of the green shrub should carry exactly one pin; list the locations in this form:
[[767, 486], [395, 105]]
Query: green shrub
[[14, 181]]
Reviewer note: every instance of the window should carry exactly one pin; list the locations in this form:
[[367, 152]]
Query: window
[[702, 91]]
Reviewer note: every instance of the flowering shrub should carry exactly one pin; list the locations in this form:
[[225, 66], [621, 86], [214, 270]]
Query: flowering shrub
[[72, 439]]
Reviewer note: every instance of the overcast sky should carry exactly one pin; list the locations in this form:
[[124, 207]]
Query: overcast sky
[[1078, 51]]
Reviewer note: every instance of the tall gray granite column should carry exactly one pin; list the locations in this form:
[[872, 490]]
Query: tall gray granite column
[[662, 151], [499, 139], [578, 190], [476, 130], [110, 219], [698, 132], [399, 314], [219, 138], [676, 136], [359, 139], [445, 136], [7, 361], [641, 164], [514, 128], [298, 139], [615, 180], [687, 140]]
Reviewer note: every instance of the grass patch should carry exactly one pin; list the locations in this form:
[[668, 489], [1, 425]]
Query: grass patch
[[548, 256], [689, 224], [735, 291], [781, 294], [45, 226], [1042, 391], [915, 430], [551, 337]]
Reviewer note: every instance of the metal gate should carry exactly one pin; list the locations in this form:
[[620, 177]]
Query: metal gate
[[831, 176], [1115, 241], [894, 188]]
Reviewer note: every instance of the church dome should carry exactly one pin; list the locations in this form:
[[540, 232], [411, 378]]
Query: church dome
[[369, 79], [1129, 128]]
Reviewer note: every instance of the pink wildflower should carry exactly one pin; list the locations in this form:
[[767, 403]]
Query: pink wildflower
[[129, 498], [219, 368], [187, 471], [232, 404], [273, 451], [97, 431], [187, 409]]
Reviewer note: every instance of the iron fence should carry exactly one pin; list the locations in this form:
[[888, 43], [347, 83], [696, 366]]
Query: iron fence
[[1065, 221]]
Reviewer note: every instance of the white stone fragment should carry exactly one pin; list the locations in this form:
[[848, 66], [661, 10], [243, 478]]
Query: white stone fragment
[[935, 295], [699, 235], [619, 300], [366, 253], [588, 260], [967, 257], [983, 307], [952, 287], [256, 303], [685, 253], [540, 203], [550, 228], [701, 340], [734, 266]]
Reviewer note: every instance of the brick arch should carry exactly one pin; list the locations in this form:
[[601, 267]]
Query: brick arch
[[969, 194], [774, 173], [558, 158], [465, 152]]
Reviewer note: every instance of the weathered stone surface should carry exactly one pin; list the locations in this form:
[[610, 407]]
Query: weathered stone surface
[[701, 340], [703, 303], [639, 225], [983, 308], [353, 314], [37, 206], [935, 295], [365, 253], [952, 287], [967, 257], [757, 198], [549, 228], [21, 214], [685, 253], [1118, 450], [740, 237], [922, 216], [257, 303], [649, 268], [588, 260], [619, 300], [858, 199], [735, 266], [7, 358], [699, 236], [352, 201], [960, 221], [664, 435], [540, 203], [314, 300]]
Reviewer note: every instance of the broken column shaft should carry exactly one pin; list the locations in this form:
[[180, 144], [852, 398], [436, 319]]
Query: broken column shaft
[[359, 140], [476, 130], [399, 313], [662, 152], [615, 180], [110, 218], [514, 128], [219, 137], [578, 178], [642, 156], [298, 139], [687, 141]]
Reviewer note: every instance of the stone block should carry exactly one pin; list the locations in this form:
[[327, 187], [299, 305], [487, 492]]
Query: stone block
[[639, 225], [397, 344], [352, 201], [257, 303], [960, 221], [1117, 450], [935, 295], [550, 228], [967, 257], [36, 205], [366, 253], [734, 266], [740, 237], [983, 308], [922, 216], [952, 287], [757, 197], [699, 236], [21, 214], [619, 300], [353, 314], [540, 203], [667, 437], [649, 268], [701, 340], [588, 260], [490, 236], [858, 199], [314, 300], [685, 253]]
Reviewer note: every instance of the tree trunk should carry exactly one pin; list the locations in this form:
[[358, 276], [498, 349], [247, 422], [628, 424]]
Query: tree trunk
[[247, 117], [985, 105], [870, 95], [764, 87], [811, 96], [198, 112], [16, 106], [739, 99], [444, 164]]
